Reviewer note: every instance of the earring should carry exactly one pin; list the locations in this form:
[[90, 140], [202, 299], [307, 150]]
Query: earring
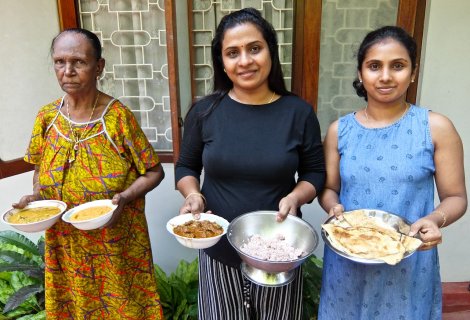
[[412, 80], [225, 70], [98, 77], [360, 80]]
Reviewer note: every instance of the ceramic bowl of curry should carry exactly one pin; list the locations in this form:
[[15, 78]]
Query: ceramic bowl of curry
[[197, 234], [37, 216], [90, 215]]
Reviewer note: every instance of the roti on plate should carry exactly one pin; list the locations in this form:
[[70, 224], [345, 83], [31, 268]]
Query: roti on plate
[[359, 235]]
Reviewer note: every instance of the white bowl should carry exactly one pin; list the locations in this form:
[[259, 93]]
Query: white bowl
[[39, 225], [197, 243], [94, 223]]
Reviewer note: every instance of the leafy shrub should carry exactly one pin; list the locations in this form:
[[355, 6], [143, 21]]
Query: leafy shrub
[[178, 292], [21, 277], [312, 274]]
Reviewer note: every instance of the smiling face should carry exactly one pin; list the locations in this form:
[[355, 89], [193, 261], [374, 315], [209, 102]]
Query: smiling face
[[386, 72], [75, 63], [246, 57]]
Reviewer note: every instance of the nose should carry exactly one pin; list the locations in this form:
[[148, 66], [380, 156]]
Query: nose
[[385, 75], [69, 68], [245, 59]]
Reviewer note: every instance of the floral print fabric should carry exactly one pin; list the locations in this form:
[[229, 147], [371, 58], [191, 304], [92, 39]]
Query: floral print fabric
[[105, 273]]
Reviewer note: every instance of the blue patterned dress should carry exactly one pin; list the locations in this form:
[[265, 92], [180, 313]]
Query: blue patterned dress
[[391, 169]]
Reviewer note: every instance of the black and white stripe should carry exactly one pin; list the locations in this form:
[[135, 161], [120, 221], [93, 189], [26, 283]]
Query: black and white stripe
[[225, 294]]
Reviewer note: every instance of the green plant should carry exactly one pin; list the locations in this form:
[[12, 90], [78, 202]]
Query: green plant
[[312, 274], [178, 292], [21, 277]]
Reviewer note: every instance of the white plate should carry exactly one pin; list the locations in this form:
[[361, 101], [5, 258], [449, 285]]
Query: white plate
[[39, 225], [383, 218], [94, 223], [197, 243]]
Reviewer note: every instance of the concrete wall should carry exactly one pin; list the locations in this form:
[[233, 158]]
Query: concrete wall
[[444, 88], [27, 80]]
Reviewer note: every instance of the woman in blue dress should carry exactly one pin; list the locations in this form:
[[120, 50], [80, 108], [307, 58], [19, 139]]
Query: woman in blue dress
[[388, 156]]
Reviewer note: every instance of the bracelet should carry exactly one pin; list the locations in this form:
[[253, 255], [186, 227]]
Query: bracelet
[[198, 194], [443, 216]]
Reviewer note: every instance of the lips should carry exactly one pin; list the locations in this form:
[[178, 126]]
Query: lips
[[385, 89], [246, 74]]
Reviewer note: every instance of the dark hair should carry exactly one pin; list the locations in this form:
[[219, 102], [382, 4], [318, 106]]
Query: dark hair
[[221, 82], [90, 36], [379, 35]]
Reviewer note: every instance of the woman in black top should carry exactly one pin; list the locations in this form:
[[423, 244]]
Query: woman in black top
[[261, 149]]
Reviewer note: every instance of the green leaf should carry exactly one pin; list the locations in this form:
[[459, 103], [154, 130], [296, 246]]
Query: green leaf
[[22, 295], [19, 240], [180, 310], [32, 271], [41, 315], [15, 257], [6, 290], [178, 291]]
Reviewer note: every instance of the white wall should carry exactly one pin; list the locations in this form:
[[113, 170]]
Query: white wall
[[26, 81], [444, 88]]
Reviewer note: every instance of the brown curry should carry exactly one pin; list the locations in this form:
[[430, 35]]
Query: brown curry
[[198, 229]]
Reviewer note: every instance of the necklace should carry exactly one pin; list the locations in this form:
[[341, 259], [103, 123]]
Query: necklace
[[78, 138], [407, 105], [232, 96]]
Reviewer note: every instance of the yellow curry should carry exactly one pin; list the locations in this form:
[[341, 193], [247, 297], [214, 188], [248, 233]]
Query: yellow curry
[[30, 215], [90, 213]]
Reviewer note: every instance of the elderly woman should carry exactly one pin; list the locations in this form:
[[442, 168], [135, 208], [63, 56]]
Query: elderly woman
[[88, 146]]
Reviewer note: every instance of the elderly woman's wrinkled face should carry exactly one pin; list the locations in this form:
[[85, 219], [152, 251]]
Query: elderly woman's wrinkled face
[[75, 63]]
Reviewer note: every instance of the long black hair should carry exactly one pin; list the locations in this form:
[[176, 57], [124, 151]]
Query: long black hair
[[221, 82], [379, 35]]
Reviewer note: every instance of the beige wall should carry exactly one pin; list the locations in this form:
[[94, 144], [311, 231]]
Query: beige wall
[[26, 80], [445, 88]]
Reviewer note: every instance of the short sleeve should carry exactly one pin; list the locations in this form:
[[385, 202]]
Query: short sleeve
[[136, 145], [37, 142]]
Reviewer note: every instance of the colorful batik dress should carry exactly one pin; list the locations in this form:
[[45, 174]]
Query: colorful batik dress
[[106, 273]]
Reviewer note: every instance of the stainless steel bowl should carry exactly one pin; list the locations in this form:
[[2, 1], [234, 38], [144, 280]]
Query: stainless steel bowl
[[386, 219], [298, 233]]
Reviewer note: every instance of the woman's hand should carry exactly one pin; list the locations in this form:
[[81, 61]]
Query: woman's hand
[[194, 203], [25, 200], [336, 211], [428, 231], [120, 200], [287, 205]]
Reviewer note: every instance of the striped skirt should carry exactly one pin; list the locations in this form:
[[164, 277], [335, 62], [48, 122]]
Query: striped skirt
[[225, 294]]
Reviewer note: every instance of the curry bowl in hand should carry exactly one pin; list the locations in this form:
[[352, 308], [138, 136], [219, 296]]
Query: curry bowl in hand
[[90, 215], [37, 216], [190, 239]]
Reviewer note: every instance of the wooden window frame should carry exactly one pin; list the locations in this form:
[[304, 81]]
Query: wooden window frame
[[305, 63]]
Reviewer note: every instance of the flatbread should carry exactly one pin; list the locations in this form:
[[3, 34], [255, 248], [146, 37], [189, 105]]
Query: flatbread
[[367, 243], [361, 236]]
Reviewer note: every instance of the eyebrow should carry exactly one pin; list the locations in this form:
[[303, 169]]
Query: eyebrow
[[393, 60], [248, 44]]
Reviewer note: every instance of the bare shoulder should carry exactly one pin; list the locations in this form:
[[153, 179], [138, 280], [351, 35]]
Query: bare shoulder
[[442, 128], [333, 128], [331, 137]]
